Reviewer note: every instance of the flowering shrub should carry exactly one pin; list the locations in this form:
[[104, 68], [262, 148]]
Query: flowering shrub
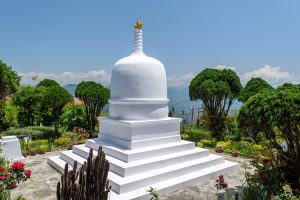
[[220, 183], [16, 173]]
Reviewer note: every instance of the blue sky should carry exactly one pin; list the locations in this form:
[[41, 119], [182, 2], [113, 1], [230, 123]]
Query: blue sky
[[78, 40]]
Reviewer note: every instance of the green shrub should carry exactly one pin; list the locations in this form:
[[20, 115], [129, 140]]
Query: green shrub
[[61, 142], [209, 143], [42, 149], [245, 148], [35, 132], [196, 134]]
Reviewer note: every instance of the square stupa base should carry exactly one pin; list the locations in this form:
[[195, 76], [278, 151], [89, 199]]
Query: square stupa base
[[144, 154]]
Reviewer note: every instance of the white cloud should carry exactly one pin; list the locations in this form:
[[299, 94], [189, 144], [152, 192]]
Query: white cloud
[[184, 80], [224, 67], [273, 75], [64, 78]]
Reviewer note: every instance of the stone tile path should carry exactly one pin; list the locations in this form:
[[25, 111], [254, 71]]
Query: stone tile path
[[42, 185]]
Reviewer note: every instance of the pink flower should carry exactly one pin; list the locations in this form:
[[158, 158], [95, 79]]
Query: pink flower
[[3, 178]]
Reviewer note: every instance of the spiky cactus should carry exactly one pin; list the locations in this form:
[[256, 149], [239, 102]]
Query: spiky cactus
[[92, 183]]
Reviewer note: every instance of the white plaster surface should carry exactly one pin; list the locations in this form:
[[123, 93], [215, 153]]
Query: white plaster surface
[[11, 148], [142, 144]]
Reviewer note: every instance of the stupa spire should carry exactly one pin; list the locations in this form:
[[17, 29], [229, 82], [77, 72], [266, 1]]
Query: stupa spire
[[138, 39]]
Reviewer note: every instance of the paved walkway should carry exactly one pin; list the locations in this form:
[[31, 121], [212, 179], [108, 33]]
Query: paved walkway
[[42, 185]]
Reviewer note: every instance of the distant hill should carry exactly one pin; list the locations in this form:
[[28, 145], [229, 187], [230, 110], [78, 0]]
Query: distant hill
[[71, 88]]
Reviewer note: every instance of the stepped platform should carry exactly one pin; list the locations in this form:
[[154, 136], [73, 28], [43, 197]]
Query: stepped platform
[[166, 167]]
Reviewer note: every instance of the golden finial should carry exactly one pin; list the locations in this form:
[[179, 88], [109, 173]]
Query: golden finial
[[138, 25]]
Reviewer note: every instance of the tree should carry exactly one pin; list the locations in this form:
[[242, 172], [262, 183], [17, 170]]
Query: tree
[[73, 116], [55, 98], [276, 114], [28, 99], [94, 97], [217, 89], [253, 86], [47, 83], [9, 81], [11, 115], [45, 115]]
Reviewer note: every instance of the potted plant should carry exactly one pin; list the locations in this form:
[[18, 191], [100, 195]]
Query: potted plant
[[219, 148], [235, 153], [25, 153]]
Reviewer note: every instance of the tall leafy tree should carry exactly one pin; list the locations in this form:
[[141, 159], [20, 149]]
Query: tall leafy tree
[[253, 86], [47, 83], [94, 97], [45, 115], [9, 81], [217, 89], [55, 98], [28, 98], [276, 114]]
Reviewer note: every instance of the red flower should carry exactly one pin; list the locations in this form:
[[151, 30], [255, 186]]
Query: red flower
[[3, 178], [9, 170], [28, 173], [2, 169], [18, 166], [225, 185]]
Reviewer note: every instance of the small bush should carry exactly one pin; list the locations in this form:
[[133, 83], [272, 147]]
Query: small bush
[[42, 149], [209, 142], [61, 142], [35, 132], [196, 134]]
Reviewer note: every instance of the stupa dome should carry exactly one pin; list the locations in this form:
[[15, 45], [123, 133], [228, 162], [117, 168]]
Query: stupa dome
[[138, 86]]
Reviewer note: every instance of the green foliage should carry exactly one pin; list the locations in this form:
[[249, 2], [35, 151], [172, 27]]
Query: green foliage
[[5, 195], [42, 148], [276, 114], [61, 142], [208, 143], [264, 181], [73, 116], [217, 89], [9, 81], [47, 83], [34, 132], [254, 86], [153, 193], [11, 115], [95, 97], [55, 98], [245, 148], [286, 196], [28, 98], [197, 134]]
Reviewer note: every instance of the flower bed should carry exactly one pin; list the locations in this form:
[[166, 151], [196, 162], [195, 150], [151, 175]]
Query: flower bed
[[11, 176]]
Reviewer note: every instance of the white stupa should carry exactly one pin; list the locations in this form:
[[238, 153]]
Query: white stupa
[[143, 144]]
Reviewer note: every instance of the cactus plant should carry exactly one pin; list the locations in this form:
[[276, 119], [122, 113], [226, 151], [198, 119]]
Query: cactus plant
[[88, 183]]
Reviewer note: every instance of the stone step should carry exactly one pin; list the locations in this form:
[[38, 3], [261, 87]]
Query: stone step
[[122, 185], [57, 163], [127, 169], [70, 157], [178, 183], [127, 155], [134, 144]]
